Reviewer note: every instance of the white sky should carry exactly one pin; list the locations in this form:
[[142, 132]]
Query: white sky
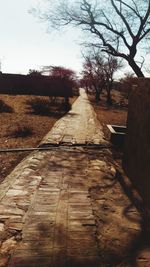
[[25, 44]]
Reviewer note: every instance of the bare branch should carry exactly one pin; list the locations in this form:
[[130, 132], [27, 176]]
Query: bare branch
[[144, 34], [134, 10], [142, 26], [118, 25], [87, 7], [122, 18]]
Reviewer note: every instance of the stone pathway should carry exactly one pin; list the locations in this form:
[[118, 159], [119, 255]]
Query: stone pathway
[[46, 216], [79, 126]]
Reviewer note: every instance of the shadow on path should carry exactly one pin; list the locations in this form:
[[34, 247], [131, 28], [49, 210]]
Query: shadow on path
[[142, 242]]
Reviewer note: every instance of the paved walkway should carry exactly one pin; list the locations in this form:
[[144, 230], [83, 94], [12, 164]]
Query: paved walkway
[[46, 216], [79, 126]]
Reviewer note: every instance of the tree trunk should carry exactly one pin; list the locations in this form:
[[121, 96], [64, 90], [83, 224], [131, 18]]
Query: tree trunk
[[67, 105], [87, 89], [109, 98], [97, 93], [97, 96], [135, 68]]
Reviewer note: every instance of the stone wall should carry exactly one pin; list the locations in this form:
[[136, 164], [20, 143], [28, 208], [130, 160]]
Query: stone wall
[[136, 161]]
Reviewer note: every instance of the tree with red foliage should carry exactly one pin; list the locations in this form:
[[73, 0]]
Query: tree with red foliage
[[61, 72], [64, 73], [34, 72]]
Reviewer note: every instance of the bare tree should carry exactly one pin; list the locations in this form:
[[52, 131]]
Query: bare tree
[[119, 26], [111, 65], [98, 73], [93, 73]]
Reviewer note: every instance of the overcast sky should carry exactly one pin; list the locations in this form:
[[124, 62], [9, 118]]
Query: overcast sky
[[25, 43]]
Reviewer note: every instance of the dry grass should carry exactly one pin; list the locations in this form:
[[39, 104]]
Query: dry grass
[[115, 114], [24, 121]]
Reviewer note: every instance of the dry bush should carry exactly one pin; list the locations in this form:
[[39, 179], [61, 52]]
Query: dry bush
[[5, 108], [47, 107], [21, 131], [39, 106]]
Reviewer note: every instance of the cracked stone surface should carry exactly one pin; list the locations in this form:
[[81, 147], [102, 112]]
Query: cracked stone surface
[[54, 213], [47, 216], [80, 125]]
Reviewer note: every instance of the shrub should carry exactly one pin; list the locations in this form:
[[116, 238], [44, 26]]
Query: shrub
[[21, 131], [5, 108], [47, 107], [39, 106]]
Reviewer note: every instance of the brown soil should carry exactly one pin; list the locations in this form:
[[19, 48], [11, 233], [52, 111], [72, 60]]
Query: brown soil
[[118, 208], [24, 122], [115, 114]]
